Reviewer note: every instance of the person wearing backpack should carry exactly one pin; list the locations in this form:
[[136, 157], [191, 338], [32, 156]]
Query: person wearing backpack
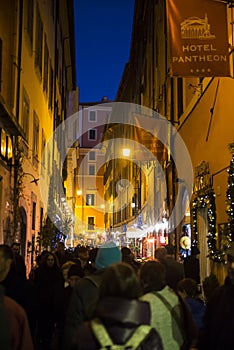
[[120, 320], [170, 315], [85, 294]]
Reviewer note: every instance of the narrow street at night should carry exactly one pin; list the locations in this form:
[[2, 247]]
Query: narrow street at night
[[116, 175]]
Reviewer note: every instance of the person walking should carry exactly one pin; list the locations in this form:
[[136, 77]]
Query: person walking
[[218, 320], [187, 288], [119, 318], [16, 285], [14, 327], [170, 316], [49, 284], [192, 265], [85, 293], [174, 269]]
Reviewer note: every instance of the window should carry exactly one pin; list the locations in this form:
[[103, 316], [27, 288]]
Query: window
[[56, 63], [91, 223], [180, 96], [51, 88], [35, 135], [92, 155], [25, 114], [92, 134], [46, 62], [43, 156], [41, 218], [29, 21], [39, 41], [92, 116], [90, 199], [0, 64], [48, 162], [91, 169], [33, 215]]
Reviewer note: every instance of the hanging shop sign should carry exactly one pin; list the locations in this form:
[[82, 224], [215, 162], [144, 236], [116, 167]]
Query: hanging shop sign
[[198, 38]]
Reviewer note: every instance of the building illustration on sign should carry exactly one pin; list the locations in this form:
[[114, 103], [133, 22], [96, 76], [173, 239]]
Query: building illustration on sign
[[196, 28]]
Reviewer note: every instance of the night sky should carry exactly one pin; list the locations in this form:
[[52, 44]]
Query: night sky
[[103, 36]]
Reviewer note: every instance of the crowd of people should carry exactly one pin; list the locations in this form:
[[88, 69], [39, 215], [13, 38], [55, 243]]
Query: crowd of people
[[102, 297]]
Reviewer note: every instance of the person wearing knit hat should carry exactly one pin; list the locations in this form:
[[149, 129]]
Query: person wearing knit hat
[[86, 293], [107, 255]]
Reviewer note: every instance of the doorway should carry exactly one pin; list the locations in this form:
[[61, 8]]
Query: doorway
[[202, 226]]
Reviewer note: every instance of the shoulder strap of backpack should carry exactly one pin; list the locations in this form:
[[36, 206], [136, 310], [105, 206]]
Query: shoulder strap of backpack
[[101, 334], [174, 314], [170, 308], [138, 336], [105, 341]]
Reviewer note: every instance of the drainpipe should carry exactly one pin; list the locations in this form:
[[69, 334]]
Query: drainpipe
[[20, 30], [53, 178], [19, 58]]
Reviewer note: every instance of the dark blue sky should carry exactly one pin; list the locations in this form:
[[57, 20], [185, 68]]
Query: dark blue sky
[[103, 37]]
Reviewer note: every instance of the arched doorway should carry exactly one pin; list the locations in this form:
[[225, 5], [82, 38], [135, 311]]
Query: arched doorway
[[23, 231]]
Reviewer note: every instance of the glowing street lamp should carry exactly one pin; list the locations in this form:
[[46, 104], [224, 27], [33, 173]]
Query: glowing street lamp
[[126, 152], [79, 193]]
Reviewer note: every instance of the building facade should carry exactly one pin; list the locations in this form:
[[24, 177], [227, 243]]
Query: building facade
[[37, 73], [200, 109], [89, 227]]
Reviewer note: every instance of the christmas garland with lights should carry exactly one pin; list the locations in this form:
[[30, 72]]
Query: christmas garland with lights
[[207, 200], [230, 195]]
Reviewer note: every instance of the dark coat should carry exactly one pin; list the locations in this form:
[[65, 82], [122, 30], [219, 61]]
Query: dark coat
[[218, 331], [192, 268], [174, 272], [82, 304], [49, 288], [21, 290], [198, 309], [20, 334], [120, 317], [49, 295]]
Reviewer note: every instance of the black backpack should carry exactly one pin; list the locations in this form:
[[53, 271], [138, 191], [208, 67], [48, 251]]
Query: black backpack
[[106, 342]]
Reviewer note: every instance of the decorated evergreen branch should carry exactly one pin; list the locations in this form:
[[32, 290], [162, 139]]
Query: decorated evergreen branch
[[230, 194], [49, 234], [207, 200]]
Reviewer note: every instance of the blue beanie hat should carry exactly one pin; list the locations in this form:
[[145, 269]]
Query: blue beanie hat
[[107, 254]]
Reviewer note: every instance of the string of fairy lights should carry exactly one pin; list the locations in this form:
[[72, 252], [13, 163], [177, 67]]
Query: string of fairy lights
[[230, 195], [207, 200]]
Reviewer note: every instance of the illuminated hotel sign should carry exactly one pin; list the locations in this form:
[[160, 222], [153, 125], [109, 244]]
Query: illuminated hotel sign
[[198, 38]]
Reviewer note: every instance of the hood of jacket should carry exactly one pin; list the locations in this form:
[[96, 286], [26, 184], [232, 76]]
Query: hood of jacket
[[118, 311]]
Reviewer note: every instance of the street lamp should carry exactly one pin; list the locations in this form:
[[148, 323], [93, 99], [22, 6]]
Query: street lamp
[[126, 152], [79, 193]]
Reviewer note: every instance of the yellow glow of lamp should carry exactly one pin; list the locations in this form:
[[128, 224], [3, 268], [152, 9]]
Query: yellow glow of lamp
[[79, 192], [126, 152]]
